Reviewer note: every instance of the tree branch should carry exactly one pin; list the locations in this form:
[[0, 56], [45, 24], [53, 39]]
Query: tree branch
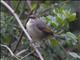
[[10, 51], [31, 11], [22, 32], [22, 27]]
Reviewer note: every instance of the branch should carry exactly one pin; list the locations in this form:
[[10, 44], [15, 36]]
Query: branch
[[22, 51], [27, 54], [29, 4], [22, 27], [10, 51], [22, 32]]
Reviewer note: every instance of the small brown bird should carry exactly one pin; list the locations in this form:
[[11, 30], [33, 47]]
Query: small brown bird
[[37, 29]]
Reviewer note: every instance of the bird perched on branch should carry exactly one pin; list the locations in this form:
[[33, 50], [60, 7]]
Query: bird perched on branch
[[37, 29]]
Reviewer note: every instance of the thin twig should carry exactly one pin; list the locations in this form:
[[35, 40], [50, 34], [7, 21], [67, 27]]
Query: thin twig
[[22, 27], [22, 32], [22, 51], [27, 54], [10, 51], [29, 4]]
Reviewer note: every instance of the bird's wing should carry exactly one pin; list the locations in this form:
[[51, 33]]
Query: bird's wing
[[44, 28]]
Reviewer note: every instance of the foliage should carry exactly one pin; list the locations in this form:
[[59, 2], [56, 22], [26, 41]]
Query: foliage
[[57, 15]]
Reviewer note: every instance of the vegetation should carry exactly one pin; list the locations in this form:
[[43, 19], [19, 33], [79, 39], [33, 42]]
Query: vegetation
[[59, 15]]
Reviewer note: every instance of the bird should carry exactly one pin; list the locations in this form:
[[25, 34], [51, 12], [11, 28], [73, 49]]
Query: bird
[[37, 29]]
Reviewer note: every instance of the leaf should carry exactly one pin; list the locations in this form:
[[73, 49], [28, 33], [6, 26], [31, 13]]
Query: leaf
[[71, 17], [73, 54], [54, 24], [71, 38], [78, 37], [60, 19], [52, 20], [54, 43], [71, 35], [33, 6]]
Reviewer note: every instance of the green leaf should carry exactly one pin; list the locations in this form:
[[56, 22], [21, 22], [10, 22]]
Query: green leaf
[[52, 21], [33, 6], [71, 17], [54, 24], [54, 43], [71, 38], [71, 35], [60, 19], [78, 37]]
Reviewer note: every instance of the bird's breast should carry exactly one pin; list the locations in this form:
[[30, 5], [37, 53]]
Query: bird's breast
[[33, 31]]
